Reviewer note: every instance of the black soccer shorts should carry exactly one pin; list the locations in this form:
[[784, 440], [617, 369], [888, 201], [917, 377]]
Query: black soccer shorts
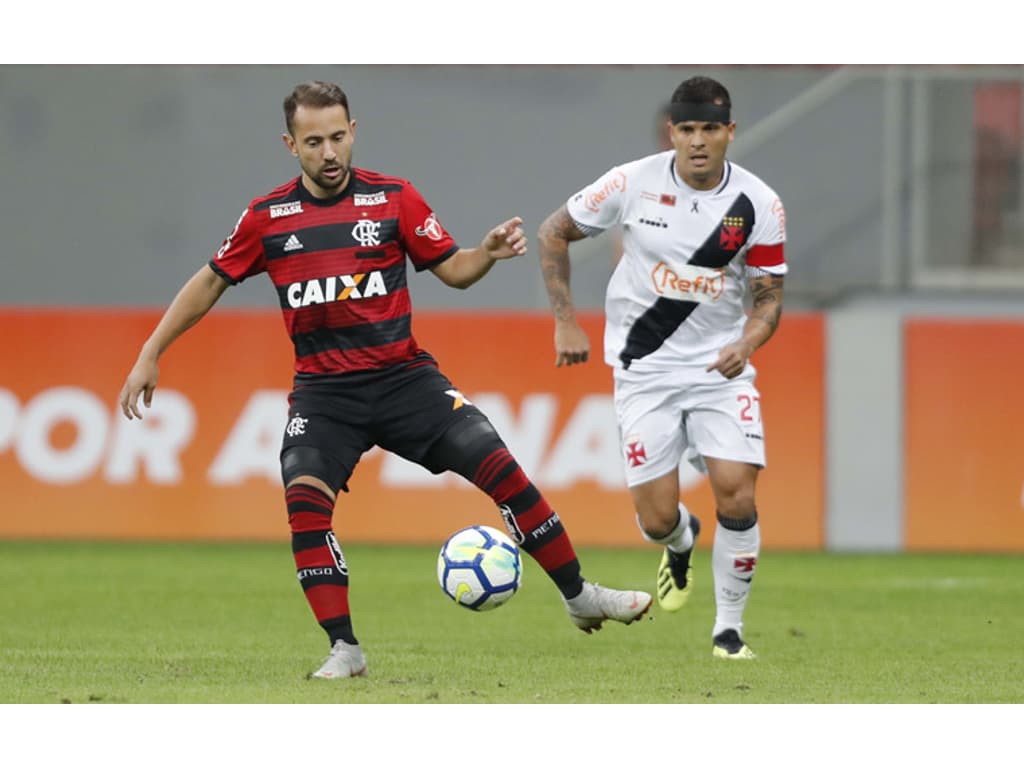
[[404, 410]]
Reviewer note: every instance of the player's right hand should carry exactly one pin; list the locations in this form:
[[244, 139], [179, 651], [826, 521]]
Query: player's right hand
[[505, 240], [571, 343], [141, 381]]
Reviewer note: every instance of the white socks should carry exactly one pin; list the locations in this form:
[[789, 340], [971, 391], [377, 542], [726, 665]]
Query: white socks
[[733, 562], [681, 537]]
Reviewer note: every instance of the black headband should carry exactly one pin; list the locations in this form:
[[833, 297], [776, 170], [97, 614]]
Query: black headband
[[699, 112]]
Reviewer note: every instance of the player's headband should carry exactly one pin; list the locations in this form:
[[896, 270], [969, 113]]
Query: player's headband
[[698, 112]]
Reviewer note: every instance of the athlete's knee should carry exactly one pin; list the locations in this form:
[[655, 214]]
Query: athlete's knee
[[656, 523], [739, 506], [302, 464], [733, 485], [657, 505], [464, 446]]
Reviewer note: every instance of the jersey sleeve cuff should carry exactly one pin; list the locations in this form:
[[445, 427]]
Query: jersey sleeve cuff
[[433, 263], [767, 257], [223, 274], [587, 229]]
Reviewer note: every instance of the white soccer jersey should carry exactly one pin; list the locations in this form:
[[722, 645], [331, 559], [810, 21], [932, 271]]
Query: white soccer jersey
[[676, 296]]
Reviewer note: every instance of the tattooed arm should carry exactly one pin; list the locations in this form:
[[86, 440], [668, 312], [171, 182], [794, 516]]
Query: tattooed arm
[[558, 230], [765, 313]]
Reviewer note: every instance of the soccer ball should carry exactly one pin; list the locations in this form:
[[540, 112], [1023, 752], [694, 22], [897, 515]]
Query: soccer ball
[[479, 568]]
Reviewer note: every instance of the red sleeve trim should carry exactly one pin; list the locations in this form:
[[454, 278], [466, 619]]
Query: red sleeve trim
[[766, 255]]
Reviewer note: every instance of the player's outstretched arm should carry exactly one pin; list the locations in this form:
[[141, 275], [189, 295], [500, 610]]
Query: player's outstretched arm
[[765, 313], [558, 230], [468, 265], [193, 301]]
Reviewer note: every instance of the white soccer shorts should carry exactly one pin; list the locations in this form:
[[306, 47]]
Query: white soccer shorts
[[667, 416]]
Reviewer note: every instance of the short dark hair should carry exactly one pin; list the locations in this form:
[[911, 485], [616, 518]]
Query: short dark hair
[[315, 93], [702, 90]]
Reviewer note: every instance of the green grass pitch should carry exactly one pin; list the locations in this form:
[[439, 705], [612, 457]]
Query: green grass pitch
[[227, 623]]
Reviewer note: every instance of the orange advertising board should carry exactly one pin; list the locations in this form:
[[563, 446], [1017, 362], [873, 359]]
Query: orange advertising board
[[964, 429], [203, 463]]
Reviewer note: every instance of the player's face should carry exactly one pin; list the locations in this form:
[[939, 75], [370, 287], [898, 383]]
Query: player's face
[[700, 151], [321, 139]]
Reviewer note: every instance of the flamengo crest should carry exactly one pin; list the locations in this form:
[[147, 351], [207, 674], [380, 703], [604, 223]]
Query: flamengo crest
[[367, 232]]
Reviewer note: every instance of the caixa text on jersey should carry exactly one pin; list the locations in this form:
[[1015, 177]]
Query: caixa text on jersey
[[340, 288]]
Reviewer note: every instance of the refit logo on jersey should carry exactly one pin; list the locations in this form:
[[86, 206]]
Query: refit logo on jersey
[[431, 228], [689, 282], [377, 198], [594, 199], [367, 232], [285, 209], [340, 288], [659, 222], [779, 210]]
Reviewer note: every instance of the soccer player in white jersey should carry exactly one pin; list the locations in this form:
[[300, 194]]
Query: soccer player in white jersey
[[697, 291]]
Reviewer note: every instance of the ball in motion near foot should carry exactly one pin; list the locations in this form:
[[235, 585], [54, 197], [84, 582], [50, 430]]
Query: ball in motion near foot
[[479, 567]]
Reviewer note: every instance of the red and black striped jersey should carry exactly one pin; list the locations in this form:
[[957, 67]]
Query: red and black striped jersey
[[339, 267]]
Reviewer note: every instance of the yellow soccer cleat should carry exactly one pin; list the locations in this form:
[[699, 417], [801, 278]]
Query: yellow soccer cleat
[[729, 645], [675, 574]]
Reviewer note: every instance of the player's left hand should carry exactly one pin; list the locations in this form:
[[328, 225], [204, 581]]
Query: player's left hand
[[505, 240], [732, 359]]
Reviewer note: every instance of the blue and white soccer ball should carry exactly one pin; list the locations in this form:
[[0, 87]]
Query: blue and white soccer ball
[[479, 568]]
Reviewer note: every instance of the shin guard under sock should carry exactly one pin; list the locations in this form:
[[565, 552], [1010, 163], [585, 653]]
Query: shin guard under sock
[[319, 561]]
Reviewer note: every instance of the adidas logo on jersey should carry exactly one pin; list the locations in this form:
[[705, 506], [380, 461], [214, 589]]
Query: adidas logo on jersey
[[292, 244]]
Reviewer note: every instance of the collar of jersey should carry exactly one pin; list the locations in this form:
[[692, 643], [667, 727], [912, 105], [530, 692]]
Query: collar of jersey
[[726, 175], [307, 197]]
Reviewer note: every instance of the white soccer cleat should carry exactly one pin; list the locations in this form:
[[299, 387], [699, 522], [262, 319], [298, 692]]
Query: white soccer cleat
[[591, 607], [345, 661]]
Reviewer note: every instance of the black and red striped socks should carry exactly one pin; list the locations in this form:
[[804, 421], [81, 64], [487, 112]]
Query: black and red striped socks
[[533, 524], [319, 561]]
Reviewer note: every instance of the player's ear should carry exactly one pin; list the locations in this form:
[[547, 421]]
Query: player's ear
[[289, 142]]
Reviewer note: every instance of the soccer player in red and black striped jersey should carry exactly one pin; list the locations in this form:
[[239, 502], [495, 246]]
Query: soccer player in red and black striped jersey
[[334, 242]]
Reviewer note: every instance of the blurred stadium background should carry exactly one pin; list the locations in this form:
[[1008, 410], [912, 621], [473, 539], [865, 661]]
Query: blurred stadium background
[[891, 394]]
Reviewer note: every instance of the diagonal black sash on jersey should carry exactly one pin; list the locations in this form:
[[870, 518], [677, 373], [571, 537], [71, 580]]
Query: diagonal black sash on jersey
[[662, 319]]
